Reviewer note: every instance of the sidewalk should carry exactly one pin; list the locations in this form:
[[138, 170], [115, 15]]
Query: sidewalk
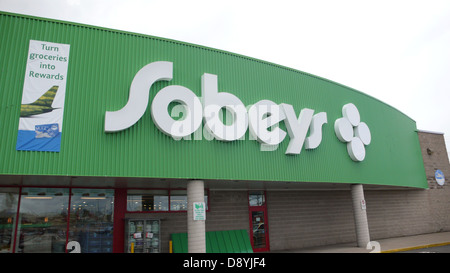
[[386, 245]]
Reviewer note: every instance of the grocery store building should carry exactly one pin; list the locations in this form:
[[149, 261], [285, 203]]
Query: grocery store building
[[120, 142]]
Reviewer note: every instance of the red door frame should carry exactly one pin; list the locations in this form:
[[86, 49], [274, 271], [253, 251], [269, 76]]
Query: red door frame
[[263, 209], [120, 207]]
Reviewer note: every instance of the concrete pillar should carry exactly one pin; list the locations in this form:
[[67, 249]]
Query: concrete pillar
[[359, 212], [195, 229]]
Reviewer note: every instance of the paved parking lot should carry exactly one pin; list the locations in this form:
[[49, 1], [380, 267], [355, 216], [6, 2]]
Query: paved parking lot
[[436, 249], [433, 242]]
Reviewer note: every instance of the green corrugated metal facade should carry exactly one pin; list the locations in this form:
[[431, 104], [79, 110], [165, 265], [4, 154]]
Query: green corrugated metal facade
[[102, 65]]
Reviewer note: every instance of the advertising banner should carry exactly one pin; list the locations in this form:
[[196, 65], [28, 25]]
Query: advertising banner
[[41, 112]]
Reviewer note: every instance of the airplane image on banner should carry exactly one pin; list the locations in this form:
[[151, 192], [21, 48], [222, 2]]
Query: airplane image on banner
[[41, 105]]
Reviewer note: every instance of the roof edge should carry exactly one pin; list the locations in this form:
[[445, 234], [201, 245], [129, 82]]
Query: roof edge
[[430, 132], [200, 47]]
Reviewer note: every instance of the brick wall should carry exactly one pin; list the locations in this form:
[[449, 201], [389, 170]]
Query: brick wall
[[409, 212], [227, 210], [396, 213], [435, 156], [299, 219]]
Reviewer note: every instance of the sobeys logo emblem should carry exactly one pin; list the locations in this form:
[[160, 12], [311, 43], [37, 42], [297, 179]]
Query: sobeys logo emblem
[[349, 129], [261, 118]]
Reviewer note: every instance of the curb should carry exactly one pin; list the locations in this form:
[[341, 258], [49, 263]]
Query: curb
[[414, 247]]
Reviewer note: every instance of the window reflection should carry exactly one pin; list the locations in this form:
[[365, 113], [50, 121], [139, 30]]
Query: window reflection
[[259, 237], [256, 198], [158, 200], [178, 200], [92, 219], [42, 220], [148, 200], [9, 198]]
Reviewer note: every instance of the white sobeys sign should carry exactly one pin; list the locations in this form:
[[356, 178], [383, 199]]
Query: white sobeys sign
[[261, 118]]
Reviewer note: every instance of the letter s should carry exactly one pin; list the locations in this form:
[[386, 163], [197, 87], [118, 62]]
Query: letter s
[[138, 98], [315, 137]]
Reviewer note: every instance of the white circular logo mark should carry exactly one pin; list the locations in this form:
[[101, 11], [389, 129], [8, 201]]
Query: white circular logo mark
[[349, 129], [440, 178]]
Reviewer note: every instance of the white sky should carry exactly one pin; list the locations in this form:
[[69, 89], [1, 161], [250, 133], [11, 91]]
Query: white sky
[[396, 51]]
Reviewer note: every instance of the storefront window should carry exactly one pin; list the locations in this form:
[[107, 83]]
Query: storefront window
[[178, 200], [92, 219], [42, 220], [158, 200], [256, 198], [147, 200], [9, 198]]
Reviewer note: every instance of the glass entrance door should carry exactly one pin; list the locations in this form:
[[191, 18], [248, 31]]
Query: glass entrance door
[[259, 231], [258, 222]]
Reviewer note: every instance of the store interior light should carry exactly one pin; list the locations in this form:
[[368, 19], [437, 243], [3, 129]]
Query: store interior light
[[38, 197], [93, 198]]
